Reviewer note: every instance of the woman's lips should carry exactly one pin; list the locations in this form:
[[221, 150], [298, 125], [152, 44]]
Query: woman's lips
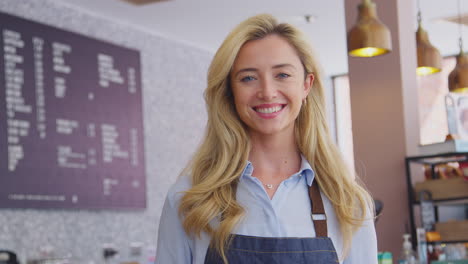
[[269, 111]]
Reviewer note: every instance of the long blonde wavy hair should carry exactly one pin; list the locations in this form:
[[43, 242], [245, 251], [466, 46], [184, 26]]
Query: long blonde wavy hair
[[222, 156]]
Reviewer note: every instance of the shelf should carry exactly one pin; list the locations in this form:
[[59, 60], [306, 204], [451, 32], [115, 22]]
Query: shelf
[[447, 242], [440, 158], [447, 202], [444, 192]]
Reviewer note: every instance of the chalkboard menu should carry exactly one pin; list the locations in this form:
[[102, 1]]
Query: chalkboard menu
[[71, 124]]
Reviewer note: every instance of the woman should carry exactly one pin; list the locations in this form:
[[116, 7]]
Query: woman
[[255, 179]]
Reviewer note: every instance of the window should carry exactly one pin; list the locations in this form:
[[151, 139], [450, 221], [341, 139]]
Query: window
[[432, 115], [343, 125]]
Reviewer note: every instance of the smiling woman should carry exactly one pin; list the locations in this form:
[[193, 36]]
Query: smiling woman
[[267, 184]]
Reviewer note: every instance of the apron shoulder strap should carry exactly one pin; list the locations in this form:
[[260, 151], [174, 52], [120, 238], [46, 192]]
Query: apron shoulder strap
[[318, 211]]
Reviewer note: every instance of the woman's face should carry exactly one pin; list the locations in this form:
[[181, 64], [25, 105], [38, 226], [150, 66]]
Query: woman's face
[[268, 85]]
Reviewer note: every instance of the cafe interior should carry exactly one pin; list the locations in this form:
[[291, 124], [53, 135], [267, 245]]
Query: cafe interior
[[87, 157]]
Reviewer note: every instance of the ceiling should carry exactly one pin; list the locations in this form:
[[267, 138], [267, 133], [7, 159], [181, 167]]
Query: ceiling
[[205, 23]]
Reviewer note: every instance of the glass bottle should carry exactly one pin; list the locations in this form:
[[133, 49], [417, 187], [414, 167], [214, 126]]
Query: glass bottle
[[407, 256]]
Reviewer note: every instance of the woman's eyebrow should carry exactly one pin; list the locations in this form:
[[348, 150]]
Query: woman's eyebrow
[[245, 70], [283, 65]]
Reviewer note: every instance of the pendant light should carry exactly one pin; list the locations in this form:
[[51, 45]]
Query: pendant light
[[458, 78], [369, 37], [429, 59]]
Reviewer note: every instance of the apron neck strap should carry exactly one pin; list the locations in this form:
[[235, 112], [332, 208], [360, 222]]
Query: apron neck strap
[[318, 211]]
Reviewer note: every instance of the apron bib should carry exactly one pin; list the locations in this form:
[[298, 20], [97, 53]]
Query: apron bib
[[283, 250]]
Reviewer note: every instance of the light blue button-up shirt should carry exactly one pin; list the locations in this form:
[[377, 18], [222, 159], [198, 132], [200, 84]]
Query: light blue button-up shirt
[[287, 214]]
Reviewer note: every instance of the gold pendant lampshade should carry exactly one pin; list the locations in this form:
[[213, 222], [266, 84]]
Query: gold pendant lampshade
[[369, 37], [458, 78], [429, 59]]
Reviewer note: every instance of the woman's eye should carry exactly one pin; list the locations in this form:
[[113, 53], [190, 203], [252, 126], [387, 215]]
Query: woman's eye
[[247, 79], [283, 75]]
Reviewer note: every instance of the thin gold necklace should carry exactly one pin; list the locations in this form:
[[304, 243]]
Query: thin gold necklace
[[270, 186]]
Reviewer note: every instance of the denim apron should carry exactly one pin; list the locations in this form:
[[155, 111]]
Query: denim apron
[[283, 250]]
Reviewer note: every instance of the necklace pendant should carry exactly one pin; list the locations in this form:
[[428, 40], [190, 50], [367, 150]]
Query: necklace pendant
[[269, 186]]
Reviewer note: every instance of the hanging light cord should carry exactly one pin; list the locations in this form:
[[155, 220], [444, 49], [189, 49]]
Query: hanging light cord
[[419, 13], [460, 41]]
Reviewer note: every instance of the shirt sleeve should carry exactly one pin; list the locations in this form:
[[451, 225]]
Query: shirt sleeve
[[173, 242], [363, 245]]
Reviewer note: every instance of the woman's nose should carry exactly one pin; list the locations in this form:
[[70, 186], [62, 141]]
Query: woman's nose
[[267, 90]]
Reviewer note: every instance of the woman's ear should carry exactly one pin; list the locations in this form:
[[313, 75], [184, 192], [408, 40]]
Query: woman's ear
[[308, 82]]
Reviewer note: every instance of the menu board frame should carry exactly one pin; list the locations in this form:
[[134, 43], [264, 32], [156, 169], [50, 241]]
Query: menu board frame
[[71, 120]]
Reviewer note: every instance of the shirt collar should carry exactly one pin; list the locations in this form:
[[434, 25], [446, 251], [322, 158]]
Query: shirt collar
[[305, 170], [248, 169]]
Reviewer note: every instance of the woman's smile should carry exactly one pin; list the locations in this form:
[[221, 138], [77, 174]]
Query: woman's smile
[[269, 111]]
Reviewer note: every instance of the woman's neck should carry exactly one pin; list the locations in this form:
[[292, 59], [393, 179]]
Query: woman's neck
[[274, 156]]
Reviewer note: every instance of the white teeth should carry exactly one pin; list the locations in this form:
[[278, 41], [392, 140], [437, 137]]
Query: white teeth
[[269, 110]]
